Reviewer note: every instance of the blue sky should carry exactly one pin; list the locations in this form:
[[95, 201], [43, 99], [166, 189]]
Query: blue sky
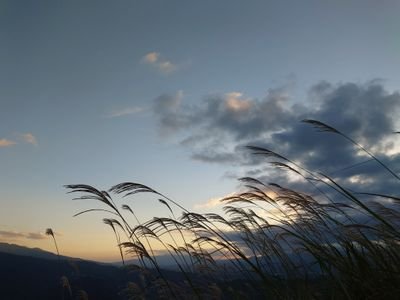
[[159, 92]]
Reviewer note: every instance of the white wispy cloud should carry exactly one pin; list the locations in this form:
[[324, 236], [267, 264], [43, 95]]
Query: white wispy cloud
[[151, 57], [163, 65], [167, 66], [6, 143], [125, 111], [29, 138], [212, 202]]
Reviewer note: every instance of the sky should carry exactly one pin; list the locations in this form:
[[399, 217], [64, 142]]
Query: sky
[[168, 93]]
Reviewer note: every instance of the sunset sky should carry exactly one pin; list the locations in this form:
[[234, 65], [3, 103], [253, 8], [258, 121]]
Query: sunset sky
[[168, 93]]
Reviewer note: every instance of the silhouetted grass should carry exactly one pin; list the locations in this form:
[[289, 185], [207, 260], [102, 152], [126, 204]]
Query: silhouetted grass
[[272, 241], [65, 285]]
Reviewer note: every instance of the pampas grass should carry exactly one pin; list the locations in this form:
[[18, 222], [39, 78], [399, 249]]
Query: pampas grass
[[271, 242]]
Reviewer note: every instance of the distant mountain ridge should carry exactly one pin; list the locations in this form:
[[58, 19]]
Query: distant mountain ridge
[[26, 251], [28, 277]]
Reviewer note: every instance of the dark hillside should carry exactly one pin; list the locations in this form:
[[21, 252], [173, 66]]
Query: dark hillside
[[24, 277]]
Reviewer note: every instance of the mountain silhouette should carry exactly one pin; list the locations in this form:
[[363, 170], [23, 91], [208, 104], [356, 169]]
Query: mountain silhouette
[[32, 273]]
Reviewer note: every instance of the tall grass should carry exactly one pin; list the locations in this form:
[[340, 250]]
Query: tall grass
[[272, 241], [65, 285]]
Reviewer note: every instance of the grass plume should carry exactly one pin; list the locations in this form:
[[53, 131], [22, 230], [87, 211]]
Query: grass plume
[[278, 242]]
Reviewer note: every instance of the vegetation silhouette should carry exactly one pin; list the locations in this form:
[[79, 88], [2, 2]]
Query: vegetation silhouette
[[65, 285], [272, 241]]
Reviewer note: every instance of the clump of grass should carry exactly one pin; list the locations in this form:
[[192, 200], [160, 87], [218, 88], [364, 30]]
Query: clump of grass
[[50, 232], [64, 282], [272, 241]]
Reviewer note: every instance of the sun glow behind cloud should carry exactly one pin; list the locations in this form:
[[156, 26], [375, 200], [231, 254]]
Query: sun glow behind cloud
[[235, 103], [212, 203]]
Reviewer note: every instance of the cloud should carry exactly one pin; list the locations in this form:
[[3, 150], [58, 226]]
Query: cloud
[[12, 235], [125, 112], [168, 109], [151, 57], [25, 137], [6, 143], [163, 65], [213, 156], [35, 236], [229, 113], [212, 203], [217, 129], [29, 138]]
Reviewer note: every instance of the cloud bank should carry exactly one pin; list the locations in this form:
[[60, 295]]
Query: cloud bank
[[217, 129]]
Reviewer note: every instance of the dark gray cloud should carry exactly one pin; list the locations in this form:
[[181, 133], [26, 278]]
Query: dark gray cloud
[[212, 156], [366, 113], [230, 113], [171, 113], [222, 125]]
